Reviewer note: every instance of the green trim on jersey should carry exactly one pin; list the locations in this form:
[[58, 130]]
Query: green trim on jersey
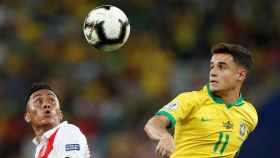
[[169, 117], [219, 100]]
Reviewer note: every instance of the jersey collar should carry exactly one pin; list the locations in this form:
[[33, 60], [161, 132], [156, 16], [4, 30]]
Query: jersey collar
[[47, 134], [219, 100]]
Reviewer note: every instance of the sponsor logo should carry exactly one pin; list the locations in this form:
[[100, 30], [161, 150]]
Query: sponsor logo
[[205, 119], [70, 147], [228, 125]]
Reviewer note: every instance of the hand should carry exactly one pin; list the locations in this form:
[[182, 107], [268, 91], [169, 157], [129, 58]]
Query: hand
[[166, 146]]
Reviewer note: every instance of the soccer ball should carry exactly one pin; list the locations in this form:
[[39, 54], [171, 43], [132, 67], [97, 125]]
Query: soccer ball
[[106, 28]]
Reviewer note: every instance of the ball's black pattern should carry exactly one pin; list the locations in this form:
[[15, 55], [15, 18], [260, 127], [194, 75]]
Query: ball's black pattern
[[107, 7], [103, 40]]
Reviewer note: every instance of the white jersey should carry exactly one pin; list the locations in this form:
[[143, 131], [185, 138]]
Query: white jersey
[[63, 141]]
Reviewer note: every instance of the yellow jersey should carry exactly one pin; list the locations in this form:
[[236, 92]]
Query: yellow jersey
[[206, 126]]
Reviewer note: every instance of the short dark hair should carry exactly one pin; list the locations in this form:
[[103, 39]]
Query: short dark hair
[[240, 54], [35, 87]]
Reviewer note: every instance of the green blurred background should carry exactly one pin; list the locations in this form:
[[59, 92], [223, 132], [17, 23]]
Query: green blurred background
[[110, 96]]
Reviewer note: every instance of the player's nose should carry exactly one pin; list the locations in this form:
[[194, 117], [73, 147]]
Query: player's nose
[[213, 73], [46, 106]]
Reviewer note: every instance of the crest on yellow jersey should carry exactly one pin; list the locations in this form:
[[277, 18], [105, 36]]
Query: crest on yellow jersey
[[243, 129]]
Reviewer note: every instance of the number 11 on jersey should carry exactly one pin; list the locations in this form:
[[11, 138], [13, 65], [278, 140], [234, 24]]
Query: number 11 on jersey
[[221, 144]]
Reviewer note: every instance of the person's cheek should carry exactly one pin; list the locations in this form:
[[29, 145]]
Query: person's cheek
[[226, 78], [230, 79]]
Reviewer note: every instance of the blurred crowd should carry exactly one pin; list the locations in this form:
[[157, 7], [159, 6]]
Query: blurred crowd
[[110, 96]]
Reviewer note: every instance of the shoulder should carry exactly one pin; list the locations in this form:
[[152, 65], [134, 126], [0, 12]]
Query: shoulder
[[70, 128], [251, 113], [191, 101], [70, 131], [70, 142], [193, 95], [197, 97], [250, 109]]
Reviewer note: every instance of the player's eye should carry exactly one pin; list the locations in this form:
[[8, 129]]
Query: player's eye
[[52, 100], [38, 101], [221, 67]]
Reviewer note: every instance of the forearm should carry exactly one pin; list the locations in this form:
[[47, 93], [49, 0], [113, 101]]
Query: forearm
[[156, 129]]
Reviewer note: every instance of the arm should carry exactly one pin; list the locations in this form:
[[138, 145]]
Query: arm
[[156, 129]]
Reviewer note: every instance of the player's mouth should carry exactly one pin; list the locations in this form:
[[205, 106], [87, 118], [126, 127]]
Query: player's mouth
[[213, 82], [47, 113]]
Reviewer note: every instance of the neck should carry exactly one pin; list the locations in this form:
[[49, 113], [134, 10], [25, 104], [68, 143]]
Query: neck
[[40, 130], [230, 96]]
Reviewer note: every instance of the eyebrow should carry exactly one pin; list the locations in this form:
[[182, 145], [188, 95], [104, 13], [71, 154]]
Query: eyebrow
[[37, 95], [51, 94], [220, 62]]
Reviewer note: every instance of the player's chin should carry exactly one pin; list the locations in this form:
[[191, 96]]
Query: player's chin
[[213, 87], [49, 122]]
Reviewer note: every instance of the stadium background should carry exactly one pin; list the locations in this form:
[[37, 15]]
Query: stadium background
[[111, 95]]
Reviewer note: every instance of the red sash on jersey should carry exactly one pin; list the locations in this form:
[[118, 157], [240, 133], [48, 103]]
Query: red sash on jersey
[[45, 151]]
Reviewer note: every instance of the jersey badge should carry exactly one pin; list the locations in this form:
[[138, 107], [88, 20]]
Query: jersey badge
[[171, 106], [242, 129], [70, 147]]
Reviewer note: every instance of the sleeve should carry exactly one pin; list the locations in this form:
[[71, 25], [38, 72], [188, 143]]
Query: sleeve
[[254, 120], [179, 108], [73, 144]]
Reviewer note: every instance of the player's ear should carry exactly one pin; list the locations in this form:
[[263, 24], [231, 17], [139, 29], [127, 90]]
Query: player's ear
[[27, 117], [242, 74]]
